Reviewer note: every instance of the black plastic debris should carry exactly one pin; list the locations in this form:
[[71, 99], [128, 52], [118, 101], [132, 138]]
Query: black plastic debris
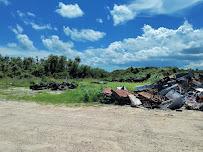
[[145, 87], [176, 103], [54, 86], [165, 91]]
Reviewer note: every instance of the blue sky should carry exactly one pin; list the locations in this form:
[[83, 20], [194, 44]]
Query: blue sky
[[107, 34]]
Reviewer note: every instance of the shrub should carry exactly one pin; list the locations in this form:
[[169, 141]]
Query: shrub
[[86, 98]]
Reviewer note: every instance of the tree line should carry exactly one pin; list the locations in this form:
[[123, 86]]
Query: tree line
[[58, 67]]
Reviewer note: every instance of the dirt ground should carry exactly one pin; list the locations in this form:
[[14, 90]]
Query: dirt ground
[[29, 127]]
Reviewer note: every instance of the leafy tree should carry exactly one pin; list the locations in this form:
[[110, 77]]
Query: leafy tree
[[52, 66]]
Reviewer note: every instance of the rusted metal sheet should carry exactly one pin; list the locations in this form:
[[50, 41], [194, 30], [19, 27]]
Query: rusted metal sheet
[[121, 96], [146, 95], [122, 93], [151, 96], [200, 97], [149, 100], [107, 92]]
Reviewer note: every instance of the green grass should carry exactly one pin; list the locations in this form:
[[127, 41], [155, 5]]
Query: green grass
[[86, 92], [13, 82]]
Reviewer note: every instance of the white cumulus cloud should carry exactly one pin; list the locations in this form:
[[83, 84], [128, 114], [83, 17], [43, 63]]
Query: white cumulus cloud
[[54, 44], [23, 39], [184, 44], [69, 10], [126, 12], [121, 14], [84, 34]]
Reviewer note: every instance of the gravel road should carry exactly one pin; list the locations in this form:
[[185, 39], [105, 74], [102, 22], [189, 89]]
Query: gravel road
[[29, 127]]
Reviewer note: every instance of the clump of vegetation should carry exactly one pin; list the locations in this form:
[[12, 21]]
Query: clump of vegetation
[[86, 98], [151, 74], [57, 67]]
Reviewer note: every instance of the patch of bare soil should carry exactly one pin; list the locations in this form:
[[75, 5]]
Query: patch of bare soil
[[31, 127]]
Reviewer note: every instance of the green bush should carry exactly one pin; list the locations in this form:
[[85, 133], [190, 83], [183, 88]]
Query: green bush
[[86, 98]]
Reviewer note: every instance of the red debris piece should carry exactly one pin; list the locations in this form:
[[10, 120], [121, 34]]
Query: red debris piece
[[121, 97], [150, 96], [107, 92], [123, 93], [200, 98]]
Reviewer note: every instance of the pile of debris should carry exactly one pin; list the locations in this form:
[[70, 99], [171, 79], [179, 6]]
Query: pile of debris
[[174, 92], [54, 86], [120, 96]]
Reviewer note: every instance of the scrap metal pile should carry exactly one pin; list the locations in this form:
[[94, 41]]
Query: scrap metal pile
[[177, 92], [54, 86]]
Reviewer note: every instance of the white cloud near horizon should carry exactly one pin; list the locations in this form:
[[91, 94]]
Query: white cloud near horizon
[[25, 41], [127, 12], [25, 46], [195, 65], [54, 44], [83, 34], [13, 49], [182, 45], [69, 10], [154, 44]]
